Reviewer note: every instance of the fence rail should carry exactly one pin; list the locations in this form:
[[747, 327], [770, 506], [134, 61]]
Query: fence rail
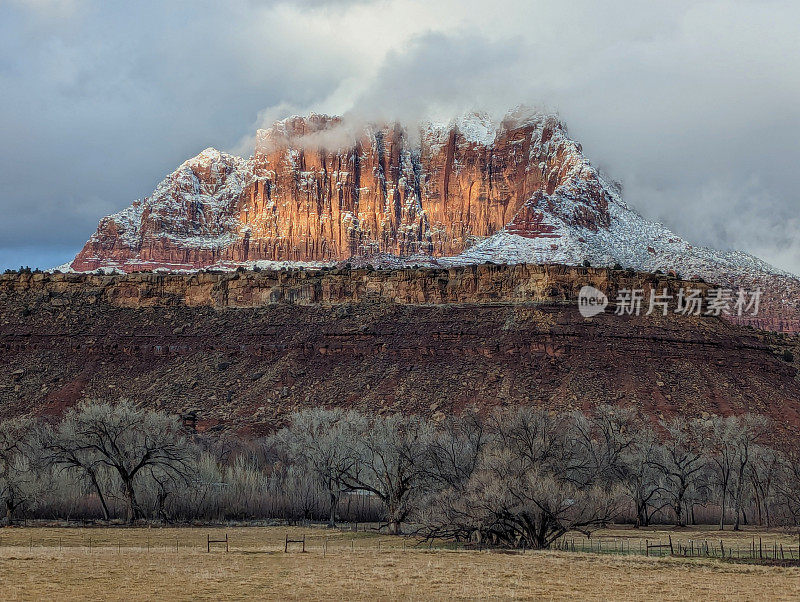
[[301, 540], [209, 541]]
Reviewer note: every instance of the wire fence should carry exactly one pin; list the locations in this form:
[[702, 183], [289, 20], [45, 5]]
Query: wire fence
[[754, 549]]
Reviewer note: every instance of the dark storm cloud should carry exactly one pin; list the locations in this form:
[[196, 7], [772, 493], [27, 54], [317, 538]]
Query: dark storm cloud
[[694, 108], [692, 105], [99, 103]]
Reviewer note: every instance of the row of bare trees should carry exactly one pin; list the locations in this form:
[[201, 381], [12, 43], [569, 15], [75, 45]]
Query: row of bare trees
[[516, 477], [96, 444]]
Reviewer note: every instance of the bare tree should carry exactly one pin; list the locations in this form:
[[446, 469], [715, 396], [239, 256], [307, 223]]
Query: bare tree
[[321, 440], [752, 430], [452, 458], [162, 485], [62, 451], [522, 477], [607, 434], [730, 443], [534, 481], [390, 451], [20, 480], [681, 463], [132, 442], [764, 473], [245, 485], [639, 476], [203, 498], [720, 446], [623, 447], [787, 484], [454, 451]]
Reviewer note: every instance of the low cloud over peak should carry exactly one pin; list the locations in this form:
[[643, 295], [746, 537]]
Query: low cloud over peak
[[692, 105]]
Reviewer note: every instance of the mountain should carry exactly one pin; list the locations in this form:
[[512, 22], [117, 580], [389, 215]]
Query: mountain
[[320, 190]]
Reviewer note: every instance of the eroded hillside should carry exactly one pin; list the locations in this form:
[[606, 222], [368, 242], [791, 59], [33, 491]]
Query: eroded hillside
[[243, 349]]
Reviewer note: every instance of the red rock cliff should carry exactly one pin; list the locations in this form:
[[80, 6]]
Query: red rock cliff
[[317, 191]]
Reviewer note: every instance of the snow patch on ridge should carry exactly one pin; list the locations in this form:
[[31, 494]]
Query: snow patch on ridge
[[630, 240], [478, 128]]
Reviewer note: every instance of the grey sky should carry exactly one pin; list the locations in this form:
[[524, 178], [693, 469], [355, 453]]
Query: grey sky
[[694, 106]]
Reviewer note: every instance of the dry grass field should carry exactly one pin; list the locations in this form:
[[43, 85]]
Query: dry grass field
[[140, 563]]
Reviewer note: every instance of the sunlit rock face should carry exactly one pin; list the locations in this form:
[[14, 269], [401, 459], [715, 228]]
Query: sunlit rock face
[[321, 190]]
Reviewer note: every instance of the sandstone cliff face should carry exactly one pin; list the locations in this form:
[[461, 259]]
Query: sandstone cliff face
[[246, 348], [309, 196], [473, 285]]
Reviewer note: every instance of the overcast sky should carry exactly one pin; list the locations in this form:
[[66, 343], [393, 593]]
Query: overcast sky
[[693, 106]]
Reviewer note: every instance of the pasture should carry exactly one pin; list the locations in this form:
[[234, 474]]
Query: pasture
[[173, 563]]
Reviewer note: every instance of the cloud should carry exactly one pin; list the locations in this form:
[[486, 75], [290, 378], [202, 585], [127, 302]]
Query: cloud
[[692, 105], [50, 9]]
